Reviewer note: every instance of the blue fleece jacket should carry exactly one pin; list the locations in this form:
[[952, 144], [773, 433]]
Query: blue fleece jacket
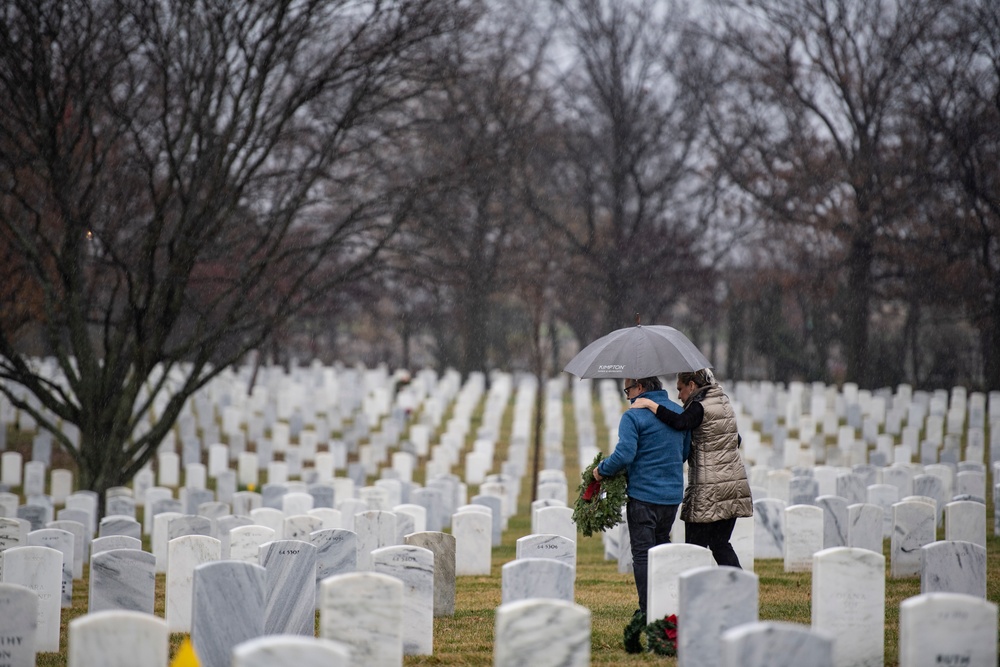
[[652, 453]]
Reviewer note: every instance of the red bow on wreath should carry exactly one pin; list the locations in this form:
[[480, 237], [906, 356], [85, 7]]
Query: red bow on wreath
[[671, 632], [592, 489]]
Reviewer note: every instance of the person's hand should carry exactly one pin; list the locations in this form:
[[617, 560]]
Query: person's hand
[[643, 402], [597, 474]]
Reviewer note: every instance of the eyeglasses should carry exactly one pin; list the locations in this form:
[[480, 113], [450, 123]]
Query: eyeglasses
[[626, 389]]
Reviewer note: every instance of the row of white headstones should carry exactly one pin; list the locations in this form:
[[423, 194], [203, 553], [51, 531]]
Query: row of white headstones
[[552, 429]]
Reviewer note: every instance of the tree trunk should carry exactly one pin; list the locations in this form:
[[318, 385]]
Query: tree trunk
[[989, 337], [474, 332], [554, 344], [736, 342], [856, 307], [102, 466]]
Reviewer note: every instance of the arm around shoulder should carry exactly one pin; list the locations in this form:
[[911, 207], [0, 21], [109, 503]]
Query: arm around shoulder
[[691, 418]]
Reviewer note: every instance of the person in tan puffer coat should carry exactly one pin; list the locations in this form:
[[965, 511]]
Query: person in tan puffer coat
[[718, 491]]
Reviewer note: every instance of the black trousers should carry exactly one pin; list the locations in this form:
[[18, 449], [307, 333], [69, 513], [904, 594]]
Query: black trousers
[[648, 526], [714, 535]]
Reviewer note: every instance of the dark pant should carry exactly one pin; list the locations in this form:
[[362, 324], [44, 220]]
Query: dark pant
[[648, 526], [714, 535]]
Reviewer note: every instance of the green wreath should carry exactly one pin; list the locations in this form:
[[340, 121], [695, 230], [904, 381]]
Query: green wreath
[[633, 632], [599, 505], [661, 635]]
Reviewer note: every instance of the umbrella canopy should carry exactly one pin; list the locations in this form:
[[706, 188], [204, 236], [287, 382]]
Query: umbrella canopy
[[638, 352]]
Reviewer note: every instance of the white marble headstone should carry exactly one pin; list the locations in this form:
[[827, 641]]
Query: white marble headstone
[[190, 524], [803, 528], [365, 611], [226, 523], [625, 565], [953, 567], [848, 603], [120, 525], [11, 467], [118, 639], [931, 486], [245, 541], [270, 517], [8, 504], [712, 600], [227, 609], [473, 542], [61, 485], [290, 605], [741, 540], [885, 496], [161, 522], [299, 526], [542, 633], [296, 503], [375, 529], [493, 503], [292, 650], [244, 502], [109, 542], [336, 553], [443, 547], [547, 546], [769, 528], [184, 555], [18, 624], [913, 526], [776, 644], [154, 495], [665, 565], [122, 579], [835, 520], [64, 542], [536, 578], [80, 542], [947, 629], [556, 521], [87, 503], [899, 476], [965, 520], [414, 566], [865, 526], [852, 486], [330, 517], [39, 569]]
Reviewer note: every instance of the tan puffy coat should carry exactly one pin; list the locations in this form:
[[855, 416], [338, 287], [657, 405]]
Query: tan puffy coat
[[717, 480]]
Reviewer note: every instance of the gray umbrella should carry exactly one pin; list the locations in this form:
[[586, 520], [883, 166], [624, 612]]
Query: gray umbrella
[[638, 352]]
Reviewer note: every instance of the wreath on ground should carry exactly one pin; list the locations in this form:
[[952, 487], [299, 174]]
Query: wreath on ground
[[599, 504], [661, 635]]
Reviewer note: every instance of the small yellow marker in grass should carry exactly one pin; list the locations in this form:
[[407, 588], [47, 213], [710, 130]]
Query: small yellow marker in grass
[[186, 656]]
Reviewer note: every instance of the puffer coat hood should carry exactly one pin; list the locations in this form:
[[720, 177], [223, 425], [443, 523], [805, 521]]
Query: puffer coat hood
[[717, 485]]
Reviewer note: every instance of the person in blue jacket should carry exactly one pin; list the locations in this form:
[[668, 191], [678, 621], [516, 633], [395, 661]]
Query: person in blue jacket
[[653, 455]]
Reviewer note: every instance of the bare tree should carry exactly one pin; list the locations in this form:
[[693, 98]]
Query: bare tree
[[814, 100], [957, 102], [626, 170], [177, 179], [464, 241]]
